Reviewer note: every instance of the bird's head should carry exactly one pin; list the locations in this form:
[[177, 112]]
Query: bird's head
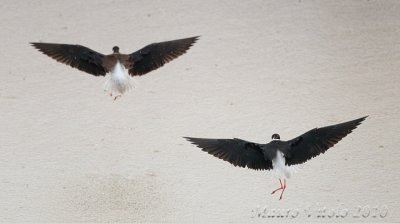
[[276, 137], [115, 49]]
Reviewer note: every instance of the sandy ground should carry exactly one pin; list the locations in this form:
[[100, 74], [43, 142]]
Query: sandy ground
[[71, 154]]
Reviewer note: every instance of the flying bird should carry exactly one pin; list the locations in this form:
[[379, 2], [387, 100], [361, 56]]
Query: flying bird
[[277, 155], [121, 66]]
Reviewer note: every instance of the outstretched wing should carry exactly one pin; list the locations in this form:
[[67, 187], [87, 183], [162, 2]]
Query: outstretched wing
[[76, 56], [156, 55], [236, 151], [317, 141]]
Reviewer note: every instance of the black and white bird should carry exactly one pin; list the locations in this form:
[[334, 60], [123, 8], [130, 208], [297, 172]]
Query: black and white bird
[[277, 155], [121, 66]]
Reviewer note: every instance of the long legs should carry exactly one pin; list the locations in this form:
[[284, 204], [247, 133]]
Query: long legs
[[282, 187], [113, 96]]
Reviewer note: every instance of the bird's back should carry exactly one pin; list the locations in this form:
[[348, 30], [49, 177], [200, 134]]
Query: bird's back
[[111, 60], [275, 152], [270, 148]]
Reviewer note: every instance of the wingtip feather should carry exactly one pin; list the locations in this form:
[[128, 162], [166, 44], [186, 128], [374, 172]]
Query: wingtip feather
[[190, 139], [360, 120], [34, 44]]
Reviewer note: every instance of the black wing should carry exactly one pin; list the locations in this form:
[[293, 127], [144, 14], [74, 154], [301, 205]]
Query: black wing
[[317, 141], [156, 55], [236, 151], [76, 56]]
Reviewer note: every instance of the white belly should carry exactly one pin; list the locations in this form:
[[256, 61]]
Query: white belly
[[119, 81]]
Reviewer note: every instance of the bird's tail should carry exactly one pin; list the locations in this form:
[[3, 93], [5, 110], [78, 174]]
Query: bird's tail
[[280, 168], [119, 80]]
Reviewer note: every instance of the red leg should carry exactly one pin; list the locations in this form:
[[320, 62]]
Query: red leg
[[118, 96], [281, 188]]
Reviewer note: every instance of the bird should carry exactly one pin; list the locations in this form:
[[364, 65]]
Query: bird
[[121, 66], [277, 155]]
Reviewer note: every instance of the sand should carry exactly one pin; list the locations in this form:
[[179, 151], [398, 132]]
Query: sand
[[69, 153]]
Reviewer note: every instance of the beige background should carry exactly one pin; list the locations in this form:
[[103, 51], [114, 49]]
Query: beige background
[[71, 154]]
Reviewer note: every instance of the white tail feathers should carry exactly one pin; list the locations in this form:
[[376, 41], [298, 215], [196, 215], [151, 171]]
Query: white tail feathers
[[120, 81], [280, 168]]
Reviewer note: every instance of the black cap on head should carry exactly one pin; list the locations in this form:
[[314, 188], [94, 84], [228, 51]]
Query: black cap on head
[[276, 136], [115, 49]]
